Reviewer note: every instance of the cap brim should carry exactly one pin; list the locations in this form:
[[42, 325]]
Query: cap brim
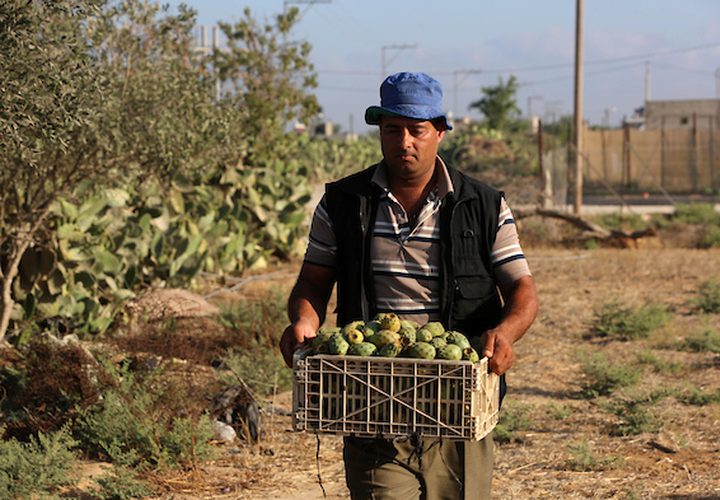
[[373, 114]]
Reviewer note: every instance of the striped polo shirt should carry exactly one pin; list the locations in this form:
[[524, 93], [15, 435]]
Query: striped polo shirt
[[406, 257]]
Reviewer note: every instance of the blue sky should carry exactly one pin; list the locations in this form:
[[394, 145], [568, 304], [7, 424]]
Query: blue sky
[[469, 44]]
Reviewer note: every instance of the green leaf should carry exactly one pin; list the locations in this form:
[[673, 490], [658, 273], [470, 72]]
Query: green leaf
[[106, 261], [117, 197]]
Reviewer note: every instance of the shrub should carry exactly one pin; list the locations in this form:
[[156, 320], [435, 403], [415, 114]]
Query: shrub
[[604, 377], [261, 322], [708, 299], [618, 220], [585, 459], [698, 213], [697, 397], [625, 323], [263, 370], [513, 417], [37, 467], [635, 419], [711, 238], [647, 357], [707, 340], [146, 422]]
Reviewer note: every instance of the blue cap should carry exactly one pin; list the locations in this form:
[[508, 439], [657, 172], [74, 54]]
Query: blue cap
[[409, 95]]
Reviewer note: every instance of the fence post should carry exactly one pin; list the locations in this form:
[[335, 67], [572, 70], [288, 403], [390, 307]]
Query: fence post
[[663, 159], [627, 171], [711, 151]]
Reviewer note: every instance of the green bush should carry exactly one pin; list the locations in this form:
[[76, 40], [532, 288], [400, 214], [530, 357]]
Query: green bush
[[696, 214], [584, 458], [604, 377], [635, 417], [514, 417], [142, 422], [625, 323], [38, 467], [625, 222], [708, 300], [263, 370], [707, 340], [698, 397], [261, 322], [711, 238]]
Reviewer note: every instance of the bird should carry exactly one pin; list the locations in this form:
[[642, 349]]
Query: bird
[[236, 406]]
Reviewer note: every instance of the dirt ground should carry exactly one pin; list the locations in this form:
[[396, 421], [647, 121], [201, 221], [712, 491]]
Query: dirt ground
[[680, 460]]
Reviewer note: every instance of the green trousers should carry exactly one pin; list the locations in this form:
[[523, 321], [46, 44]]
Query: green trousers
[[413, 468]]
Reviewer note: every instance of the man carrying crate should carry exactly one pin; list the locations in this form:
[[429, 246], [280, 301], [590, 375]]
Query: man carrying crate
[[413, 236]]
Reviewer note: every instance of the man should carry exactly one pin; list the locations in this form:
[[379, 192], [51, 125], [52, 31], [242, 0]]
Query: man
[[413, 236]]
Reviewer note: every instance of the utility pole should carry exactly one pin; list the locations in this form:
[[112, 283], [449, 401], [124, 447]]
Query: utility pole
[[578, 136], [647, 81], [717, 83], [456, 85], [384, 63]]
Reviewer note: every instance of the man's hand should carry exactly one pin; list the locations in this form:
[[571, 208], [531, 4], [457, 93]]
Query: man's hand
[[294, 337], [499, 351]]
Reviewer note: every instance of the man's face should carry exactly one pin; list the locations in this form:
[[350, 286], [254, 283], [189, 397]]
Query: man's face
[[409, 146]]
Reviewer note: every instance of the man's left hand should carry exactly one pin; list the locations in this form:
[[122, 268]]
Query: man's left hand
[[499, 351]]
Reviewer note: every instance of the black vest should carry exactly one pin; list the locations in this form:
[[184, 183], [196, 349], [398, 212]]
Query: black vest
[[470, 302]]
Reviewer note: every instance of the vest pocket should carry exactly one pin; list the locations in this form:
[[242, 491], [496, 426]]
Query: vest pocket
[[473, 296]]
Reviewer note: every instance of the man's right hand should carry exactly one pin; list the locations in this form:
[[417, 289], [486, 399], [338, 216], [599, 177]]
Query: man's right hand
[[294, 337]]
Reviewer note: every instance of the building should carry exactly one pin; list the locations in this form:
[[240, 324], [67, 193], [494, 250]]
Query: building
[[700, 114]]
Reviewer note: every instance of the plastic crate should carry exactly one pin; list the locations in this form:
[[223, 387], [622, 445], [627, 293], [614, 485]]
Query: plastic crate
[[373, 397]]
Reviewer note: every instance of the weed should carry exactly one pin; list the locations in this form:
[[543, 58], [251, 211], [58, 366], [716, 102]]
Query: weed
[[697, 397], [513, 417], [697, 213], [122, 484], [262, 369], [708, 300], [584, 458], [34, 469], [647, 357], [627, 222], [635, 418], [707, 340], [260, 323], [558, 411], [604, 377], [711, 238], [147, 422], [625, 323]]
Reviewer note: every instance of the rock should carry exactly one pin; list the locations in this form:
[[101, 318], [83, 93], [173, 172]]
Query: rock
[[224, 432]]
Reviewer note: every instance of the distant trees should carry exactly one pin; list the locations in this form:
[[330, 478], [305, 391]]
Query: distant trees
[[499, 104]]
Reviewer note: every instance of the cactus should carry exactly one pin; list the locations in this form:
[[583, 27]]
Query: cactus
[[337, 345], [354, 336], [390, 350], [423, 335], [384, 337], [420, 350], [438, 342], [451, 352], [458, 339], [362, 349], [390, 322], [470, 354]]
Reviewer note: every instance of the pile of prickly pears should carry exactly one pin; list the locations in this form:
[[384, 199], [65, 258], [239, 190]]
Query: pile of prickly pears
[[388, 336]]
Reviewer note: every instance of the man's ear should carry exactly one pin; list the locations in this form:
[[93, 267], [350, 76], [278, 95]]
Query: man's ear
[[441, 134]]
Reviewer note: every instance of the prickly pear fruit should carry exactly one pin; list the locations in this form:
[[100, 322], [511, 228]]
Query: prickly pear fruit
[[362, 349], [379, 316], [390, 322], [354, 336], [390, 350], [470, 354], [423, 335], [321, 338], [421, 350], [384, 337], [337, 345], [371, 328], [458, 339], [435, 327], [353, 325], [438, 342], [450, 351], [328, 330], [407, 328]]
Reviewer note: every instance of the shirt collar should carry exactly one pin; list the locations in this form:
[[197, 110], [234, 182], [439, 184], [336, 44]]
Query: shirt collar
[[444, 182]]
